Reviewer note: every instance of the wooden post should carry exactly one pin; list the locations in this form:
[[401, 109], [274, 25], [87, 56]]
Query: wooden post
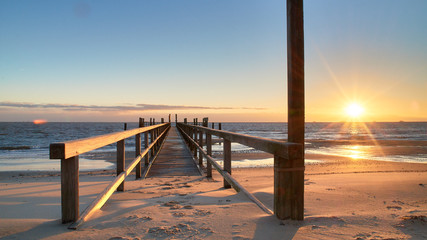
[[138, 150], [176, 118], [227, 160], [70, 189], [137, 153], [219, 126], [213, 125], [162, 120], [195, 139], [169, 118], [209, 152], [121, 162], [289, 174], [201, 145], [296, 103], [146, 146], [151, 140], [125, 127], [185, 120]]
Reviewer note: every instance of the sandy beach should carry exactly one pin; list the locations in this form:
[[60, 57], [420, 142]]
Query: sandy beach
[[344, 199]]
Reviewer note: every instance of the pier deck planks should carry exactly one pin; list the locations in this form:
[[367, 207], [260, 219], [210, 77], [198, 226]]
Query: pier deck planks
[[174, 158]]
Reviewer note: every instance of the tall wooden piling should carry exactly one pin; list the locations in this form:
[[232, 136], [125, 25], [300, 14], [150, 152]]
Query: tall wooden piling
[[289, 174]]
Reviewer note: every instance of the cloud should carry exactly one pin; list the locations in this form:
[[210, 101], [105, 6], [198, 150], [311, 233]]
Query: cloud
[[137, 107]]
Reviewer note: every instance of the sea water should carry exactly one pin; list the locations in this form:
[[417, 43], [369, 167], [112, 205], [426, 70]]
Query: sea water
[[25, 145]]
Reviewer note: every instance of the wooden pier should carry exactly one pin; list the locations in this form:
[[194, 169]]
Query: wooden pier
[[174, 159]]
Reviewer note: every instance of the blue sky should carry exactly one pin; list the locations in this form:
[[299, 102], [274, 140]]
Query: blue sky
[[119, 60]]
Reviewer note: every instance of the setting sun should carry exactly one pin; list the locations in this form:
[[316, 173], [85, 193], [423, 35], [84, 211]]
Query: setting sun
[[354, 110]]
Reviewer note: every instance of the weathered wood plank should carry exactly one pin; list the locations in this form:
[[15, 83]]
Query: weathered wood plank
[[65, 150]]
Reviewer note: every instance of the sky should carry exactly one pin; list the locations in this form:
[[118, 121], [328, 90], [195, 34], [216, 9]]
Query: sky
[[225, 59]]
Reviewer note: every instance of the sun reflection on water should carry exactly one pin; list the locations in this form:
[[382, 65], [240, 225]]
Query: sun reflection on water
[[354, 152]]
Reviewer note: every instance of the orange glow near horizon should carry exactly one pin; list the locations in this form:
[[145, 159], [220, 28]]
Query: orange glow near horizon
[[39, 121]]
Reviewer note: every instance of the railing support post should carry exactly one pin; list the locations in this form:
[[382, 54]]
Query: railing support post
[[195, 139], [201, 145], [121, 162], [227, 160], [151, 140], [209, 152], [137, 153], [70, 189], [145, 147]]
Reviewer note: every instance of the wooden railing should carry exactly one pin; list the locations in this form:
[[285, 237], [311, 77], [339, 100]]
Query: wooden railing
[[288, 192], [69, 153]]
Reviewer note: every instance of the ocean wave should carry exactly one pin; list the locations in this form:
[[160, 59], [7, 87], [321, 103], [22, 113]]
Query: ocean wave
[[8, 148]]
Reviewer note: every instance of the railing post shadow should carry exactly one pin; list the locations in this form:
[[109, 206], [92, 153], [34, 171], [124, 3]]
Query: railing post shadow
[[70, 189]]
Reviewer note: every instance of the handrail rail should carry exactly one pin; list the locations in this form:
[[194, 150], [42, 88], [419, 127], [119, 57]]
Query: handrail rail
[[272, 146], [227, 176], [288, 165], [69, 153], [109, 190], [63, 150]]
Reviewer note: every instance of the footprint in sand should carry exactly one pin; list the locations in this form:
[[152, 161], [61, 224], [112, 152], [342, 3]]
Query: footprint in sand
[[172, 205], [202, 212], [394, 208], [136, 217], [178, 214]]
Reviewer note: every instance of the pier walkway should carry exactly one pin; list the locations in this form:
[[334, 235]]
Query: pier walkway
[[174, 158]]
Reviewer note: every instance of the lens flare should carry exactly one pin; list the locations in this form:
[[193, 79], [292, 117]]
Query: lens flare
[[354, 110]]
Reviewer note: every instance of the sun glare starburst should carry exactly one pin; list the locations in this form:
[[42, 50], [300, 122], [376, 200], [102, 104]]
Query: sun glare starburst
[[354, 110]]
